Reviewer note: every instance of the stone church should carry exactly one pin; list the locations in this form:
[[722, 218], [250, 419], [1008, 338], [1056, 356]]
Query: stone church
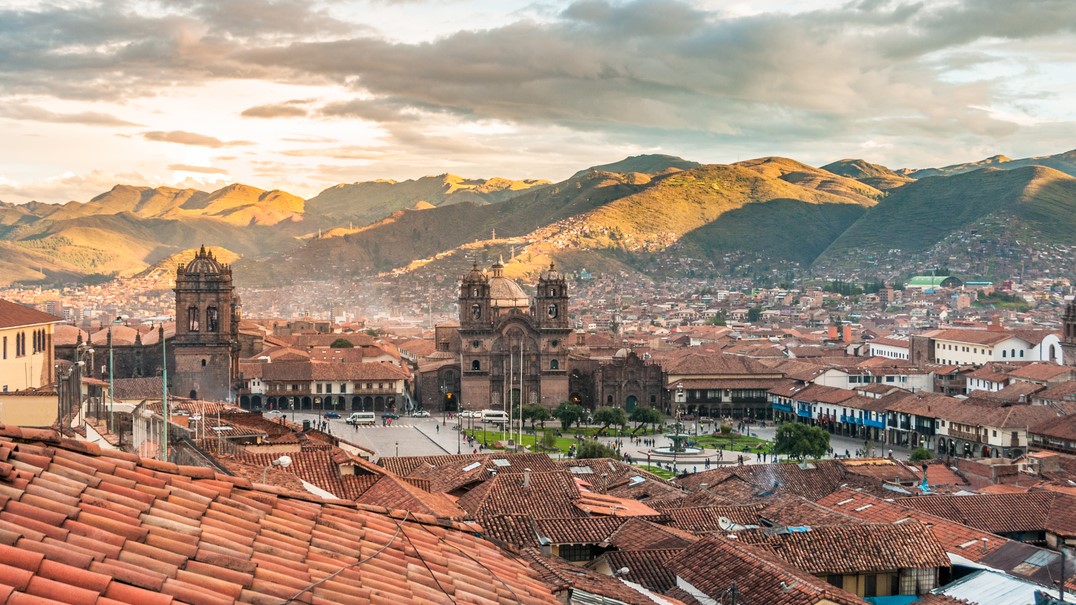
[[205, 349], [507, 347]]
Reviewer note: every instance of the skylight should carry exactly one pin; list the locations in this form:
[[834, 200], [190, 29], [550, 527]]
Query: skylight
[[472, 466]]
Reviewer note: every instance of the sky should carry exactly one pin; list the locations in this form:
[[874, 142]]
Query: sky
[[300, 95]]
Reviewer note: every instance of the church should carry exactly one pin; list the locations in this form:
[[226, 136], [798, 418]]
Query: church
[[507, 346]]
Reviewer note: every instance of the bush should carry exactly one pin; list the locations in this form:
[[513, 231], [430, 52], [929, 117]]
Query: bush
[[593, 449], [920, 454]]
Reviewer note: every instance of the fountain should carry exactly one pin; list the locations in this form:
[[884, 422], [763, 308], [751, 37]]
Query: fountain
[[678, 438]]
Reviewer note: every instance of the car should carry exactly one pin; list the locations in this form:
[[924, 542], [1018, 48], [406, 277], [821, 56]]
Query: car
[[332, 415], [273, 414], [392, 415], [420, 414]]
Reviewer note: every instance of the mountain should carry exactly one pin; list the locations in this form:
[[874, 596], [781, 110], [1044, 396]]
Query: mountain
[[1063, 162], [875, 175], [372, 200], [598, 217], [645, 164], [920, 214], [638, 214]]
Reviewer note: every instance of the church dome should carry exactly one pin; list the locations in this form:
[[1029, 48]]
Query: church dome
[[204, 263], [504, 292]]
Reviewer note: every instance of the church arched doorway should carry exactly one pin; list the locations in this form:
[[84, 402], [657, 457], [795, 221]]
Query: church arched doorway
[[631, 403], [244, 402], [256, 402]]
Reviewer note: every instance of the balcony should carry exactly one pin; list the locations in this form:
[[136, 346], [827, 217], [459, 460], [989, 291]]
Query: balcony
[[969, 436]]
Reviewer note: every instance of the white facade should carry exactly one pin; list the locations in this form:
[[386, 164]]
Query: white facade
[[956, 352], [909, 378], [888, 350]]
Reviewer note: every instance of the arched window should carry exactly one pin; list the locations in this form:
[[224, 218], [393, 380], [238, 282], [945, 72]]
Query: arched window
[[476, 365], [203, 363], [1004, 353], [192, 319], [554, 365], [212, 320]]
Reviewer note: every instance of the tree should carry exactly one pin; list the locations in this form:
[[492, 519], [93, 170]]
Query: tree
[[535, 413], [549, 440], [754, 314], [920, 454], [341, 343], [645, 416], [797, 440], [568, 413], [608, 416], [591, 448]]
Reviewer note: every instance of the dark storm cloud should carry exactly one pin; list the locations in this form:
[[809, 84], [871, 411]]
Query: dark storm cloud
[[190, 138]]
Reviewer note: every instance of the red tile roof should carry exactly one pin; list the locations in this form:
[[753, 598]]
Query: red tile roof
[[14, 315], [714, 565], [852, 549], [81, 525]]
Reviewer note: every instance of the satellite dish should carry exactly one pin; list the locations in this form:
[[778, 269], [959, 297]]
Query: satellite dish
[[725, 524]]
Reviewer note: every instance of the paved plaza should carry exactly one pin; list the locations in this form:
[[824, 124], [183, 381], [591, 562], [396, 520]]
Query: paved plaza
[[435, 436]]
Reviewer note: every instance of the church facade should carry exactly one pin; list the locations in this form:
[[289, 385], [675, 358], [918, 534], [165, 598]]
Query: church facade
[[205, 349], [512, 349]]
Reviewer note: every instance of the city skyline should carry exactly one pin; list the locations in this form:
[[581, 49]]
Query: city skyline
[[301, 96]]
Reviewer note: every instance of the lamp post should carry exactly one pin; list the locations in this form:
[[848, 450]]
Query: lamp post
[[397, 449], [291, 406], [111, 380], [81, 352]]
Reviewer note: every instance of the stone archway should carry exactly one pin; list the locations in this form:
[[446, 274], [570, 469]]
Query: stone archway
[[631, 403]]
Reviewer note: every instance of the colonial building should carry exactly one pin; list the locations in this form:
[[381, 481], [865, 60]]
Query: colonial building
[[206, 345], [26, 355], [506, 348]]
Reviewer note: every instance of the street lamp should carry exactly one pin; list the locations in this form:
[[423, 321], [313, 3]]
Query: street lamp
[[282, 462], [111, 380], [291, 406], [397, 449]]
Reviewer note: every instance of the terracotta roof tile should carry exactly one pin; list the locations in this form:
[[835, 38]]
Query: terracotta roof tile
[[142, 532]]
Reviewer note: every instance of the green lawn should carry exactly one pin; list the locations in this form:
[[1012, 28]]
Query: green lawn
[[735, 442], [529, 440], [660, 472]]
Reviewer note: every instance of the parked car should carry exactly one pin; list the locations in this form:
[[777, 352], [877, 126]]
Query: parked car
[[390, 415], [332, 415], [273, 414], [420, 414]]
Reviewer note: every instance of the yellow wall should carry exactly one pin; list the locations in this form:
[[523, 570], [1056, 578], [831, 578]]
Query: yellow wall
[[28, 410], [27, 371]]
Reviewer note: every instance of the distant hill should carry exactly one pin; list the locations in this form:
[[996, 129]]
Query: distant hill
[[651, 164], [920, 214], [875, 175], [1063, 162], [624, 216], [369, 201]]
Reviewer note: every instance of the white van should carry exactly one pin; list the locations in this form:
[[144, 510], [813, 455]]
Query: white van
[[494, 416], [358, 418]]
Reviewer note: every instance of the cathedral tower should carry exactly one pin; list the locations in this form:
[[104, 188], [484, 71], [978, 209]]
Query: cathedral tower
[[206, 345], [1068, 335]]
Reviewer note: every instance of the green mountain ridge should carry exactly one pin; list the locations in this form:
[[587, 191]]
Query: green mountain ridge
[[617, 216]]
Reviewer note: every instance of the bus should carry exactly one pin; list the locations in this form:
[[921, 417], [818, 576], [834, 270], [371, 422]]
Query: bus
[[494, 416]]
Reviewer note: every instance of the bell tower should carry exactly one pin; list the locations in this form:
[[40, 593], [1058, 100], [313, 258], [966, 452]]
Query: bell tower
[[551, 302], [1068, 334], [474, 303], [206, 346]]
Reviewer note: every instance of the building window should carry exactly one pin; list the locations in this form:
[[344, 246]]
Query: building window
[[192, 319], [203, 363], [554, 365], [609, 400], [1003, 353], [476, 365], [212, 320]]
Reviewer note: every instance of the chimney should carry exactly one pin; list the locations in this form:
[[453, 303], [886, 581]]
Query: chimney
[[832, 332], [526, 478], [995, 324], [846, 333]]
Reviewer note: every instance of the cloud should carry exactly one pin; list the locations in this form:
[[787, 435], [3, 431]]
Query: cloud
[[190, 138], [37, 114], [198, 169], [280, 110]]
